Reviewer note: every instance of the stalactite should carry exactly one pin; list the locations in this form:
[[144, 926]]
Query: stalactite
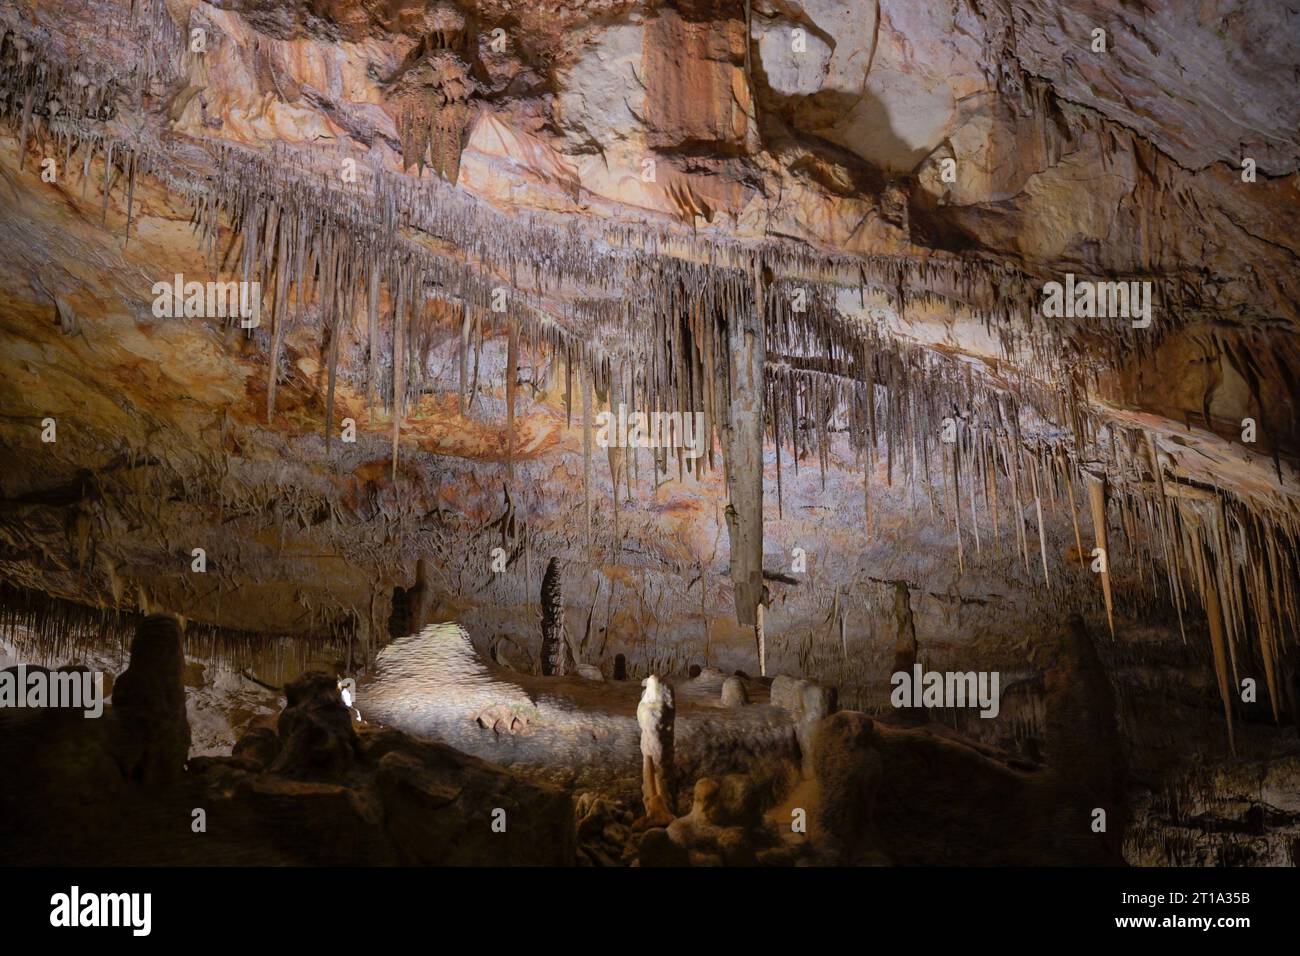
[[974, 520], [1074, 518], [956, 488], [616, 456], [399, 382], [130, 197], [372, 340], [1013, 476], [991, 493], [1097, 502], [1042, 531], [774, 413], [1213, 611], [587, 416], [568, 388], [108, 177], [336, 333], [746, 345], [512, 386], [629, 468], [866, 499], [321, 244]]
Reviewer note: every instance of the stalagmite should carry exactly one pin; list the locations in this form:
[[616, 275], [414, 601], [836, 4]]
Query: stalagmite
[[905, 645], [555, 649], [423, 596], [656, 715], [149, 701]]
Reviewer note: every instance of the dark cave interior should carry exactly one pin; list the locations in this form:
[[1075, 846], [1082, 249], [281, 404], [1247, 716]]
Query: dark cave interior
[[650, 433]]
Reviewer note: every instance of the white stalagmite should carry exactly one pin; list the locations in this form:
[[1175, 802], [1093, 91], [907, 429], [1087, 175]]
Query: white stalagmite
[[656, 715]]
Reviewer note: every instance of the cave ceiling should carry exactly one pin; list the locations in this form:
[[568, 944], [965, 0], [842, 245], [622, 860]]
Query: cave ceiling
[[474, 225]]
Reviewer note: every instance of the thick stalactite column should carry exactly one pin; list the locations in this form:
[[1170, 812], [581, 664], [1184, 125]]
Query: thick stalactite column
[[746, 343], [1097, 503]]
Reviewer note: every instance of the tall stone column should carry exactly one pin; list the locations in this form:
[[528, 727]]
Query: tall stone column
[[149, 704], [746, 341]]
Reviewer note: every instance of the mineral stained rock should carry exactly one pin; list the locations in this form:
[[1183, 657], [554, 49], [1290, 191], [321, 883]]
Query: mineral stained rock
[[310, 314]]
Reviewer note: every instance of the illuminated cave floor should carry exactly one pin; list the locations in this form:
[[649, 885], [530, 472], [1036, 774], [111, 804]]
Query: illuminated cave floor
[[576, 733]]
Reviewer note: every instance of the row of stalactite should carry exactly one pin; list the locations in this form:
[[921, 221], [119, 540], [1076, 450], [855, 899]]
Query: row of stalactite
[[605, 259], [649, 317], [62, 631]]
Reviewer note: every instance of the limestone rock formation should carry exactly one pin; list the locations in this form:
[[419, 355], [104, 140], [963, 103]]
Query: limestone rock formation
[[555, 645], [316, 734], [261, 746], [905, 329], [149, 703], [656, 715], [847, 767], [723, 828], [808, 703], [440, 809], [733, 693]]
